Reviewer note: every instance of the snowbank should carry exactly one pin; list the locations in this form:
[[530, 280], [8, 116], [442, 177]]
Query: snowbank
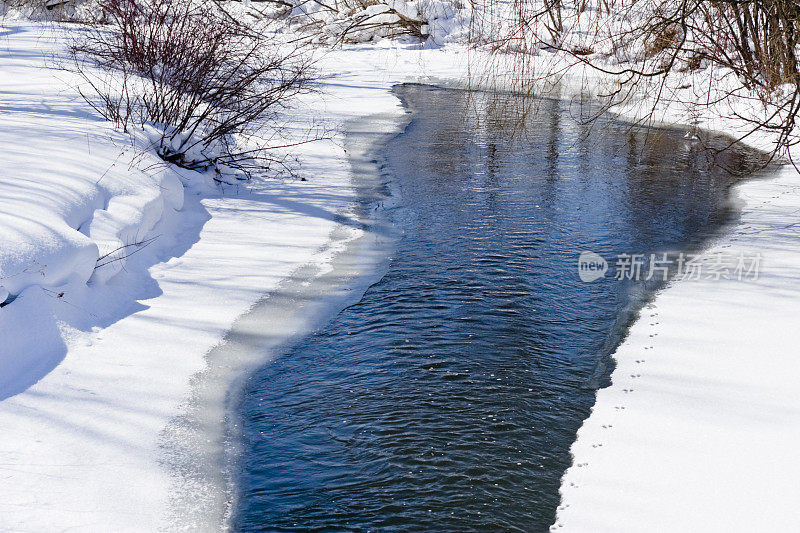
[[73, 205], [699, 430]]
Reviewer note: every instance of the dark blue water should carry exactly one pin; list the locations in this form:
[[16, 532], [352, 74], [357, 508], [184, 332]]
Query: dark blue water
[[448, 397]]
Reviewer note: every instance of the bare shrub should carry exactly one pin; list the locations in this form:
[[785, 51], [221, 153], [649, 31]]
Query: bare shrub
[[206, 86], [643, 46]]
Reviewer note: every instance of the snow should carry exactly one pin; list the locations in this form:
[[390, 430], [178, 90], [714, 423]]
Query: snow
[[697, 430], [70, 194]]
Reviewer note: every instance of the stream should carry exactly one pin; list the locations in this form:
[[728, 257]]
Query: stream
[[447, 397]]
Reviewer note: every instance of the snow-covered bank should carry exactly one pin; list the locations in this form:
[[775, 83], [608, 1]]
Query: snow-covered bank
[[700, 428], [93, 378], [72, 196]]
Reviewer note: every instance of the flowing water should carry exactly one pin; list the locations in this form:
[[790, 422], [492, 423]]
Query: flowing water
[[447, 398]]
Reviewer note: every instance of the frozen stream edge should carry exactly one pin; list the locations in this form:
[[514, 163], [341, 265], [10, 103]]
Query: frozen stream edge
[[202, 451]]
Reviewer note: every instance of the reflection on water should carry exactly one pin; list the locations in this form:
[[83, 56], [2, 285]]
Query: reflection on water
[[448, 397]]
